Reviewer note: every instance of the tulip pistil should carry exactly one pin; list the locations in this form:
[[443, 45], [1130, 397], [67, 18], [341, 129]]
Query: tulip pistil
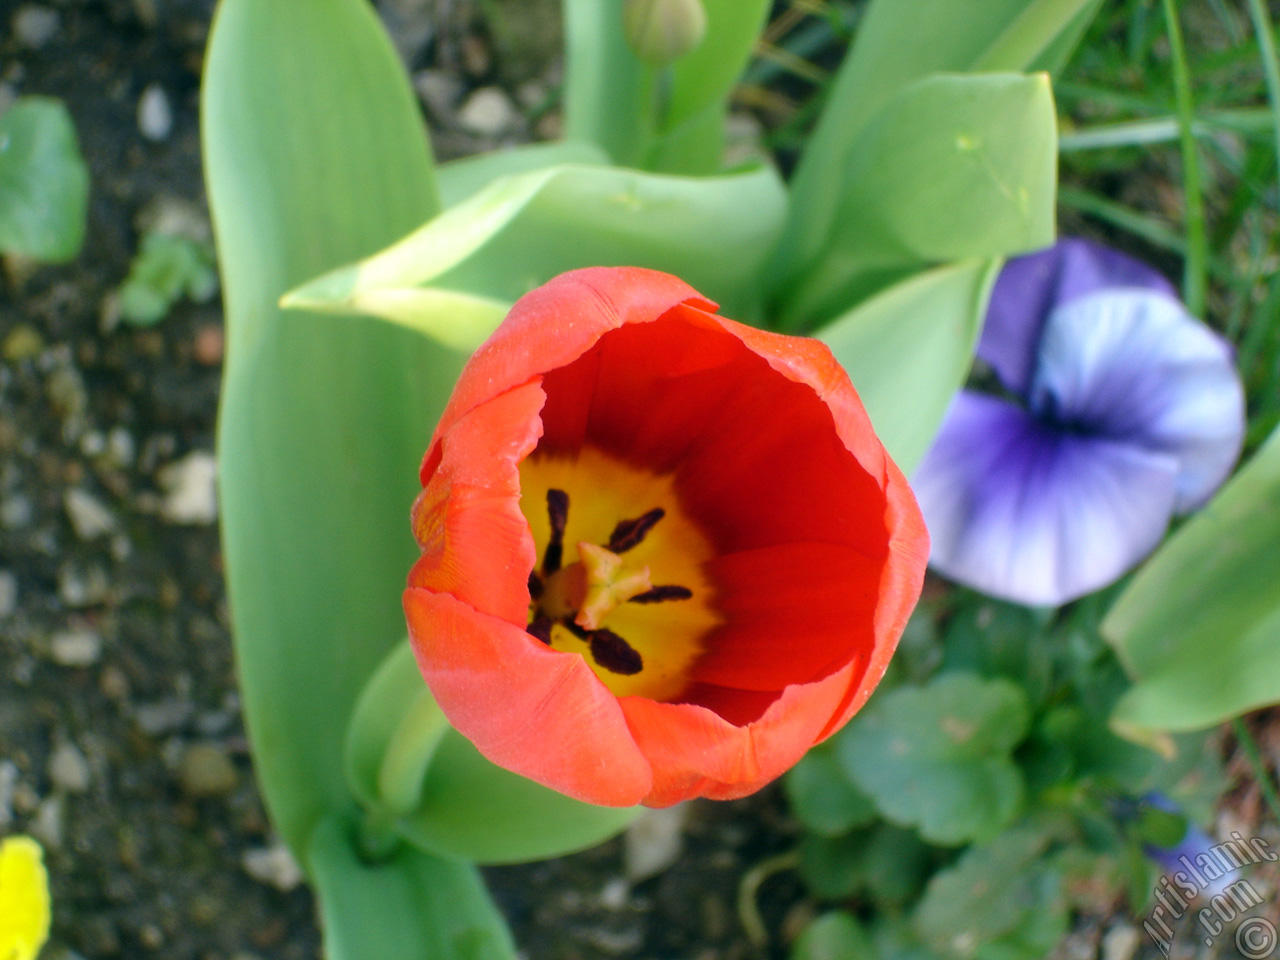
[[640, 637]]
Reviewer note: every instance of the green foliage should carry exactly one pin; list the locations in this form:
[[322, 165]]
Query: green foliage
[[999, 901], [1199, 627], [996, 702], [939, 757], [823, 799], [44, 184], [954, 167], [166, 268], [833, 936], [896, 45]]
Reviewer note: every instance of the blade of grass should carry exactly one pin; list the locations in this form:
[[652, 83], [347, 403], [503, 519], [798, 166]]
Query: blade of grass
[[1260, 772], [1250, 121], [1270, 62], [1195, 276]]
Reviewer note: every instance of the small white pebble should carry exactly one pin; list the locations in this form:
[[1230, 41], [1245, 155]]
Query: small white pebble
[[77, 647], [47, 824], [653, 842], [68, 769], [89, 516], [190, 489], [34, 26], [8, 594], [615, 893], [273, 865], [487, 112], [155, 116]]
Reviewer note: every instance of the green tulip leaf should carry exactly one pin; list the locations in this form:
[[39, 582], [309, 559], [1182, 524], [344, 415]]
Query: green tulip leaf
[[410, 906], [521, 231], [315, 156], [460, 805], [44, 183], [908, 350], [1198, 628], [898, 44], [460, 179], [955, 167], [938, 757]]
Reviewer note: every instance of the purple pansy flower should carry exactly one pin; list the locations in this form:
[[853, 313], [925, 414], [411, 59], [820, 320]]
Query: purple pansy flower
[[1121, 411]]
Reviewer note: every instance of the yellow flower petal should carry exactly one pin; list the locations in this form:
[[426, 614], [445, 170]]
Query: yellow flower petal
[[24, 899]]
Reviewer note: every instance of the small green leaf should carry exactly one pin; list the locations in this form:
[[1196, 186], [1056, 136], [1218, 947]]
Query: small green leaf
[[997, 639], [955, 167], [908, 349], [1199, 627], [999, 901], [887, 862], [167, 268], [833, 936], [44, 184], [823, 799], [937, 757], [833, 868]]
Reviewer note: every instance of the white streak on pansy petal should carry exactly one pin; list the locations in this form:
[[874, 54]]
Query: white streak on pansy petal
[[1135, 367], [1021, 511], [1030, 287]]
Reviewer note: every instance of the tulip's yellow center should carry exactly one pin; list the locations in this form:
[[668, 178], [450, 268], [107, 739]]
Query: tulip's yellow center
[[619, 577]]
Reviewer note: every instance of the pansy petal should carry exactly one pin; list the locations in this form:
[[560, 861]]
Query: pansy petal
[[525, 706], [1030, 287], [1135, 367], [1035, 515]]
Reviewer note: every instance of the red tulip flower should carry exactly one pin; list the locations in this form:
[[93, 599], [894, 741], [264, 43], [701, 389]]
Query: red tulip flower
[[663, 553]]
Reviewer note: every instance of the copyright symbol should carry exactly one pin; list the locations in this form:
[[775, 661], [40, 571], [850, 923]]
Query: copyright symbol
[[1255, 938]]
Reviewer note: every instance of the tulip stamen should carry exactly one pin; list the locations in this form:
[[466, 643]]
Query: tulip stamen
[[631, 533], [558, 514], [662, 592], [620, 579], [608, 649], [540, 628]]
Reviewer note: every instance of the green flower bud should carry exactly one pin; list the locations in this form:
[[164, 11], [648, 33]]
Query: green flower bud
[[660, 31]]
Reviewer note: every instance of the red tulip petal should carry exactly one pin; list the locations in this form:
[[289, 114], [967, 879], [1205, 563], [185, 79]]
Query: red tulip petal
[[696, 753], [556, 324], [525, 706], [794, 614], [899, 588], [476, 543]]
